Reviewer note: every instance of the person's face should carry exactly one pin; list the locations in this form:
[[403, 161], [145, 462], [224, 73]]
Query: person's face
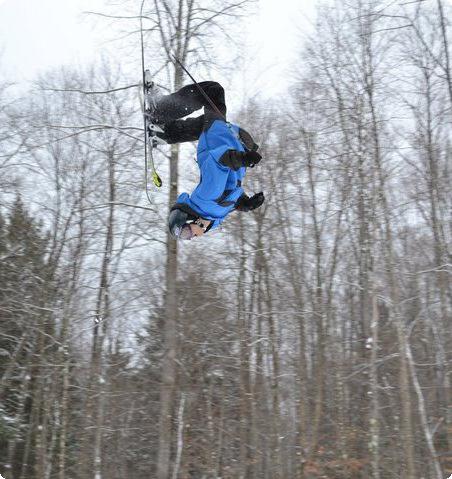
[[196, 229]]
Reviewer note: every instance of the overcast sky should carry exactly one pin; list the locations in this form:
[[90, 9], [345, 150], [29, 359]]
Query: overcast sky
[[38, 34]]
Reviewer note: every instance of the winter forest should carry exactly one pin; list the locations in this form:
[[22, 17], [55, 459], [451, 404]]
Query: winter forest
[[308, 339]]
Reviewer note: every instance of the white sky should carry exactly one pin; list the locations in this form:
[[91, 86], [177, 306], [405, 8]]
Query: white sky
[[38, 34]]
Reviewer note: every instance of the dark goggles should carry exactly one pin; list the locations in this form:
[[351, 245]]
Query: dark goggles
[[183, 232]]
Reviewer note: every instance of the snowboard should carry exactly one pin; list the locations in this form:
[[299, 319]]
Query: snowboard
[[150, 129]]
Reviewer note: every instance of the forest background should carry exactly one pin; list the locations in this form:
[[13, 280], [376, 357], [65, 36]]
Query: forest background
[[308, 339]]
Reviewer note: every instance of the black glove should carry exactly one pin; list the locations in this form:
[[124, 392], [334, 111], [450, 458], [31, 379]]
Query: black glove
[[244, 203], [251, 158]]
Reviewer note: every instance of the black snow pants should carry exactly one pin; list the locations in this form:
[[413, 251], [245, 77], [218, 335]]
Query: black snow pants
[[171, 108]]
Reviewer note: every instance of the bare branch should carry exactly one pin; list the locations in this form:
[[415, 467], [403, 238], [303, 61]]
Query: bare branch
[[86, 92]]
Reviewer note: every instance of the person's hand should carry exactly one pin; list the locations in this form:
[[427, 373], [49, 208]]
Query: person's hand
[[251, 158], [248, 204]]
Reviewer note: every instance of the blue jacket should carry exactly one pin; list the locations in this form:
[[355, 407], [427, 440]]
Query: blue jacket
[[219, 186]]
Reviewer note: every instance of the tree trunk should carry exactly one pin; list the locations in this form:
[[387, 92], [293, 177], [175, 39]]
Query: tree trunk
[[374, 421], [245, 392], [170, 338]]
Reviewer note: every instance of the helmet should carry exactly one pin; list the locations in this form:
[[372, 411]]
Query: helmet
[[179, 224], [176, 220]]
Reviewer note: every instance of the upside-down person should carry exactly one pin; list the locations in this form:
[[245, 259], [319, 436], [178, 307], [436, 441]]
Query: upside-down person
[[224, 152]]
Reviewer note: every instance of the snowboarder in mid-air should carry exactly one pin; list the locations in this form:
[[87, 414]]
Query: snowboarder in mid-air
[[224, 152]]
